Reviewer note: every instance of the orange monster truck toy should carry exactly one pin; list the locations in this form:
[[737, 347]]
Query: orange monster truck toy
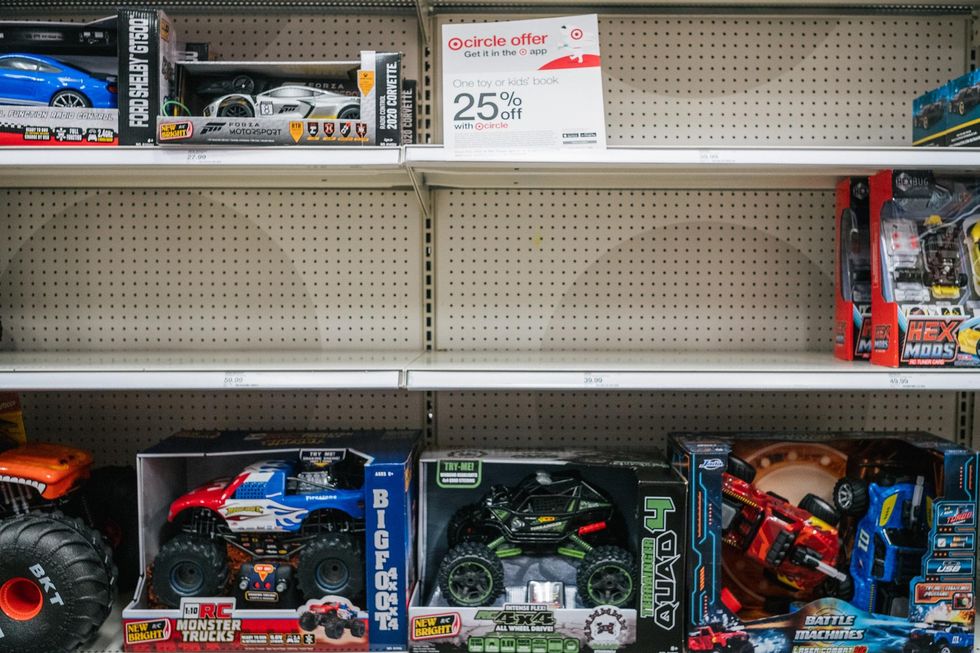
[[57, 576]]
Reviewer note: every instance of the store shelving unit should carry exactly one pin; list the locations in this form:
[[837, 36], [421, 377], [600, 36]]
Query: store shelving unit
[[681, 279]]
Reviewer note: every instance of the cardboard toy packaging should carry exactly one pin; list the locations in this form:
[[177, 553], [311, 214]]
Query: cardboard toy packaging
[[925, 288], [355, 102], [859, 542], [147, 55], [929, 118], [852, 285], [963, 111], [59, 83], [548, 552], [273, 541]]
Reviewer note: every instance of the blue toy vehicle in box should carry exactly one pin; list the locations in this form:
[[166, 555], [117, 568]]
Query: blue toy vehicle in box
[[273, 511], [32, 79], [889, 541], [940, 637]]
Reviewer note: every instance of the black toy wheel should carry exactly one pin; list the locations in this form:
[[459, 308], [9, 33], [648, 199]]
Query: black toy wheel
[[945, 648], [243, 84], [69, 100], [333, 563], [56, 583], [349, 113], [333, 628], [606, 577], [851, 496], [740, 469], [962, 108], [820, 509], [471, 575], [837, 589], [189, 565], [110, 498], [740, 646], [357, 628], [925, 122], [308, 621], [235, 108], [467, 525]]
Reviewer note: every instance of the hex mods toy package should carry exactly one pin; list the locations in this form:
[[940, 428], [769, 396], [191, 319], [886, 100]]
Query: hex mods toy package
[[861, 542], [275, 541], [287, 103], [852, 287], [548, 552], [925, 290], [58, 83]]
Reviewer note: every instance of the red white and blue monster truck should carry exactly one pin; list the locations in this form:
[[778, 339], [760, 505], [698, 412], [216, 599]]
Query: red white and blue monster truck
[[277, 513], [940, 637], [334, 618]]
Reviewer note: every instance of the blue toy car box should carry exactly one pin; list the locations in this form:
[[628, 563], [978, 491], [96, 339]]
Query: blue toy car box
[[929, 118], [267, 541], [963, 111], [865, 541]]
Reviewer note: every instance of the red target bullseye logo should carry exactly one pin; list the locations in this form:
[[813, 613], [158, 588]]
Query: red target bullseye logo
[[576, 33], [455, 43]]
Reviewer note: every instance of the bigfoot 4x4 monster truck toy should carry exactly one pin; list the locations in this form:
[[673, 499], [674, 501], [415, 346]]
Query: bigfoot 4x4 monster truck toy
[[544, 513], [797, 545], [334, 618], [57, 577], [274, 512]]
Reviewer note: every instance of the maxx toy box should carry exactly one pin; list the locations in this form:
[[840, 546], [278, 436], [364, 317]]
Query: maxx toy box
[[925, 287], [851, 541], [852, 287], [287, 103], [275, 541], [548, 552]]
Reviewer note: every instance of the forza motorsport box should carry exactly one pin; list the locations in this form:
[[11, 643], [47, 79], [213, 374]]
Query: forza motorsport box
[[548, 551], [287, 103], [925, 290], [852, 286], [58, 83], [273, 541], [848, 542]]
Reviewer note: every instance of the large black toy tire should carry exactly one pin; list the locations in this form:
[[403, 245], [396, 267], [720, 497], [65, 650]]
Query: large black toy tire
[[66, 609], [820, 509], [464, 526], [741, 646], [192, 560], [851, 496], [607, 576], [740, 469], [110, 496], [333, 628], [471, 567], [357, 628], [333, 563], [308, 621]]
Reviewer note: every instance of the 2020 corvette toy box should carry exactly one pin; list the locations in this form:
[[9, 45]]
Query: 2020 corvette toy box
[[287, 103], [271, 541], [548, 551], [852, 286], [925, 260], [862, 542]]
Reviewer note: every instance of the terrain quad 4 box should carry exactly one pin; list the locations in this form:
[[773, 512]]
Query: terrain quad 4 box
[[859, 542], [275, 540], [547, 552]]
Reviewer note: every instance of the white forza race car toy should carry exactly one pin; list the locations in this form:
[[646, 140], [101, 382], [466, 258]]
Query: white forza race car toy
[[287, 101]]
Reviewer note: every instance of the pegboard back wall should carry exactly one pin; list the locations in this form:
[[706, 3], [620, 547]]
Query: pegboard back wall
[[642, 420], [769, 80], [634, 270], [226, 269], [116, 425]]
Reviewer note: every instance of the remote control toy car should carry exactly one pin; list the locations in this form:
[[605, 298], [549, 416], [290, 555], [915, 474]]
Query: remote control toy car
[[287, 101], [942, 259], [965, 100], [37, 80], [930, 113], [559, 513], [274, 511], [715, 638], [798, 546], [57, 574], [889, 541], [940, 637], [334, 618], [901, 241]]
